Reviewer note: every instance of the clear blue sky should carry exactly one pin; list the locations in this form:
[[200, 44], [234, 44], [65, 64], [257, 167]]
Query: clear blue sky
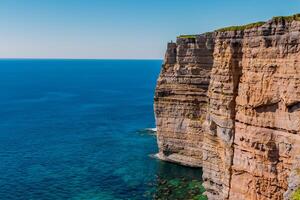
[[119, 28]]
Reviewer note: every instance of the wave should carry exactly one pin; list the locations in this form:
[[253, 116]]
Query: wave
[[151, 129], [147, 131]]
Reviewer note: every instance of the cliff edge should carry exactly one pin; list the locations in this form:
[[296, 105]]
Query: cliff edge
[[229, 102]]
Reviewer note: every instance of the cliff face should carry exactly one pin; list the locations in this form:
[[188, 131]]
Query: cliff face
[[220, 124], [267, 122], [229, 101], [181, 99]]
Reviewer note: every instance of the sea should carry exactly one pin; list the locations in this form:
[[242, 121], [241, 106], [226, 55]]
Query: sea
[[83, 129]]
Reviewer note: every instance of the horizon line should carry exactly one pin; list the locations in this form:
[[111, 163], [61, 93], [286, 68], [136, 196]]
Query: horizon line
[[51, 58]]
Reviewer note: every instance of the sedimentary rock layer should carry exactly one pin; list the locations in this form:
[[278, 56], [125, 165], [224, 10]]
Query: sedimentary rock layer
[[229, 101], [219, 134], [267, 123], [181, 99]]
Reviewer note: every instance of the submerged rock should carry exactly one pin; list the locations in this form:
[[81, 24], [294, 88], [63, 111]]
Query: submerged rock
[[178, 189]]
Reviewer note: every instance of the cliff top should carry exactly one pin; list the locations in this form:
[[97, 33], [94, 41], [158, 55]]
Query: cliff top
[[290, 18], [241, 28], [295, 17], [187, 36]]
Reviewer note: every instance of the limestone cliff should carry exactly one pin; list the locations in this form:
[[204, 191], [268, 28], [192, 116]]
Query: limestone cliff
[[181, 99], [229, 101]]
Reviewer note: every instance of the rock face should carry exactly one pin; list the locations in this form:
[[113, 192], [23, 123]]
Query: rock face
[[229, 101], [294, 181], [181, 99]]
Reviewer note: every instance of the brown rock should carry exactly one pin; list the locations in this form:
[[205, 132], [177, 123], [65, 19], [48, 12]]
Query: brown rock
[[229, 101], [181, 100]]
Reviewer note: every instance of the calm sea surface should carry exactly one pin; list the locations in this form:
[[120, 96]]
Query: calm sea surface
[[75, 129]]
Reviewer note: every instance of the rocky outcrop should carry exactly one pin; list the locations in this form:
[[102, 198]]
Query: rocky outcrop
[[220, 124], [229, 101], [181, 99]]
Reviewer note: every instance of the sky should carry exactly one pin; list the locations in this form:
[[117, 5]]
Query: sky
[[119, 29]]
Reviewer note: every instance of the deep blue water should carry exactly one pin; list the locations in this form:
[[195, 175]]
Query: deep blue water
[[75, 129]]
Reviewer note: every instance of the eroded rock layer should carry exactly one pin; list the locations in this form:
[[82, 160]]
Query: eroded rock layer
[[219, 134], [267, 118], [229, 101], [181, 99]]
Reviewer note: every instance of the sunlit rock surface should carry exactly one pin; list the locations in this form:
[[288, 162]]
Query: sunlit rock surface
[[229, 101]]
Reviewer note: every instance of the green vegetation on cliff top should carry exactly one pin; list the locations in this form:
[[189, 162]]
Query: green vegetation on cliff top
[[295, 17], [192, 36], [187, 36], [241, 28]]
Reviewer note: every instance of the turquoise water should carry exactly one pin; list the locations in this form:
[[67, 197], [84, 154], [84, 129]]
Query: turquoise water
[[75, 129]]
